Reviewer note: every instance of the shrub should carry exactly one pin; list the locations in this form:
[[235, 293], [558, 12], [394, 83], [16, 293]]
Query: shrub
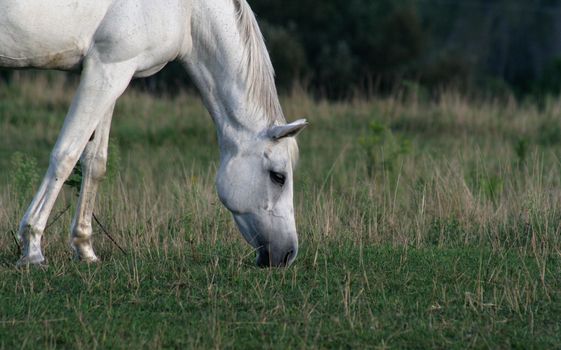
[[382, 148], [24, 174]]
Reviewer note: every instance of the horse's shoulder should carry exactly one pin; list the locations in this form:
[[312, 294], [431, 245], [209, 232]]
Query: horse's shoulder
[[152, 31]]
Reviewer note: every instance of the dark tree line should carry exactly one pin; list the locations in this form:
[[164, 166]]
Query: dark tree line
[[336, 47]]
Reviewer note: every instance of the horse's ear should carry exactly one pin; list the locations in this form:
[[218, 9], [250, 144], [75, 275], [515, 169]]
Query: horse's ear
[[289, 130]]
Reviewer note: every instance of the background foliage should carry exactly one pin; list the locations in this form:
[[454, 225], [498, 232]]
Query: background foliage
[[339, 48], [337, 45]]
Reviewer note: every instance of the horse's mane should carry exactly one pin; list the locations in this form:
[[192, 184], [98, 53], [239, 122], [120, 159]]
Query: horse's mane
[[258, 70]]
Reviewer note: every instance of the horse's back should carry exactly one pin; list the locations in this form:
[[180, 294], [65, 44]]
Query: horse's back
[[48, 34], [58, 34]]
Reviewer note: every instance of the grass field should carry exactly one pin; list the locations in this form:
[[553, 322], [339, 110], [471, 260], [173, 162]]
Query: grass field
[[424, 223]]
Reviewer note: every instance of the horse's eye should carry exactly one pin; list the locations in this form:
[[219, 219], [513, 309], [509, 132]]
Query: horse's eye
[[277, 178]]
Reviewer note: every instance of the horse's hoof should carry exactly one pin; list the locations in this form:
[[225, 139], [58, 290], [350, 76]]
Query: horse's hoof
[[90, 259], [84, 253], [34, 260]]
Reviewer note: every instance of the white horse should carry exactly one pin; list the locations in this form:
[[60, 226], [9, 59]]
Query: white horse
[[113, 41]]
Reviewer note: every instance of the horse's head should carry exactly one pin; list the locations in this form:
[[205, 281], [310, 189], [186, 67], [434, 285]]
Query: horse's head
[[255, 183]]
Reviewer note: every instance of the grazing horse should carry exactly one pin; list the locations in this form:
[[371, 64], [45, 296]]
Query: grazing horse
[[113, 41]]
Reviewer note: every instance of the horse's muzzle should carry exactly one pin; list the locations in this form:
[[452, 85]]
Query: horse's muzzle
[[276, 259]]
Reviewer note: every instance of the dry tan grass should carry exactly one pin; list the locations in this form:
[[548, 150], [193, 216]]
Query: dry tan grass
[[459, 184]]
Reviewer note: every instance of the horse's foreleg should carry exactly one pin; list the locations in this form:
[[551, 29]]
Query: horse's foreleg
[[101, 84], [93, 162]]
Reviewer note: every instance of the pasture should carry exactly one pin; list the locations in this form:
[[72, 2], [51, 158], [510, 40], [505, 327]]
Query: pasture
[[423, 223]]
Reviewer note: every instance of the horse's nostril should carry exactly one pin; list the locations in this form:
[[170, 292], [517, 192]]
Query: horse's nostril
[[263, 258], [287, 257]]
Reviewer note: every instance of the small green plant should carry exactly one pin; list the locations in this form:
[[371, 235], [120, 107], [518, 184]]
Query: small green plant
[[383, 148], [521, 148], [25, 174], [74, 181], [488, 186], [492, 187], [113, 161]]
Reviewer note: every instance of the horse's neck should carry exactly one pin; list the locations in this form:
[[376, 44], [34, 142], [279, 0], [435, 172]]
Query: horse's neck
[[216, 63]]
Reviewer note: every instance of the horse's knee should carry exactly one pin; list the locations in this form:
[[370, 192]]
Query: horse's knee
[[95, 167], [62, 163]]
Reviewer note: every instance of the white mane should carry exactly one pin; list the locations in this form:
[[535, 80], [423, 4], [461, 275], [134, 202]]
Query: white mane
[[257, 67]]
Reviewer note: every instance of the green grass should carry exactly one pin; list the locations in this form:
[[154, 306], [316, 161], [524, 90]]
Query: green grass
[[336, 296], [423, 224]]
